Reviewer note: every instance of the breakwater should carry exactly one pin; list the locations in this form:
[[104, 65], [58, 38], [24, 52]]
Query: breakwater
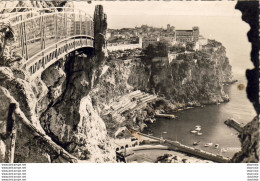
[[175, 145]]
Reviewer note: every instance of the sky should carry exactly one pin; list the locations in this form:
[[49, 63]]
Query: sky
[[217, 20]]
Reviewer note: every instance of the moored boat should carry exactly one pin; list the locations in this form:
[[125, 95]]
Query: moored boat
[[198, 129], [196, 143], [194, 131], [208, 144]]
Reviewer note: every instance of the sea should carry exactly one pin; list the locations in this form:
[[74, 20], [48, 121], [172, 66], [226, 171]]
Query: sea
[[211, 119]]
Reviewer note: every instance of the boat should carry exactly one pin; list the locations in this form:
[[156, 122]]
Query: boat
[[216, 145], [198, 126], [224, 150], [194, 131], [164, 132], [199, 133], [196, 143], [198, 129]]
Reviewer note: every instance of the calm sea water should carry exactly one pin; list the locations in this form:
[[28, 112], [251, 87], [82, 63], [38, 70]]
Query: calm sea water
[[211, 119]]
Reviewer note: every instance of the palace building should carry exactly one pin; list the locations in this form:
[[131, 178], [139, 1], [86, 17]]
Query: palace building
[[184, 36]]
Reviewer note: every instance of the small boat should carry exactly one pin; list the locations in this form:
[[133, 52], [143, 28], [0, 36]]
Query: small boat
[[216, 145], [196, 143], [208, 144], [198, 126], [164, 132], [199, 133], [198, 129], [194, 131], [224, 150]]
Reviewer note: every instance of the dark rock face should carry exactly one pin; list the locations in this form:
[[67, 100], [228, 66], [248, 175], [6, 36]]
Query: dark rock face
[[250, 14], [192, 80], [70, 118], [249, 138], [100, 28], [250, 134], [58, 104], [181, 83]]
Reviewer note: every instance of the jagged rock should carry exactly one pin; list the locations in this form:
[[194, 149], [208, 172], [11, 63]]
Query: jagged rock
[[21, 91], [249, 138], [54, 76], [26, 149], [57, 96], [100, 27], [6, 38]]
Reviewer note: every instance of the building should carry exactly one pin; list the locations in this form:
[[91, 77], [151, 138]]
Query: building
[[172, 56], [203, 41], [196, 33], [184, 36], [108, 35], [149, 40]]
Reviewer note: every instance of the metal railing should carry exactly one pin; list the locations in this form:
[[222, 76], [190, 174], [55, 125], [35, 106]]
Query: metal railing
[[41, 35]]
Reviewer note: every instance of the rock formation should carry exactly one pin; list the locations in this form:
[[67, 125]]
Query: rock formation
[[50, 130], [58, 117], [250, 134]]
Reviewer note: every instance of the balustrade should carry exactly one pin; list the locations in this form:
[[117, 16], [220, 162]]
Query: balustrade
[[43, 35]]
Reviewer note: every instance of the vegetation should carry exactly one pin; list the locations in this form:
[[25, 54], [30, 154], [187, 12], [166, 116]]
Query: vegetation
[[176, 48], [213, 43], [158, 50]]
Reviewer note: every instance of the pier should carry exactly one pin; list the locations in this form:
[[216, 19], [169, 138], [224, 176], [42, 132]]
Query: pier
[[234, 124], [177, 146], [169, 116]]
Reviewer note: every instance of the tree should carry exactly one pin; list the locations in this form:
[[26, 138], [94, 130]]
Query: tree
[[189, 46]]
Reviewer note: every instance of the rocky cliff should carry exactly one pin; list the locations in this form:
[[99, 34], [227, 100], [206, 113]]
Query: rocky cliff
[[58, 122], [193, 80], [249, 138], [250, 134]]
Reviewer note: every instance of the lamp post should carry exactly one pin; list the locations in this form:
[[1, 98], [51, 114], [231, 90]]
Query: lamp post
[[161, 139]]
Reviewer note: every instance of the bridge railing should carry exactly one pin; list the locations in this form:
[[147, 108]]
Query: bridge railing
[[43, 59], [43, 36], [12, 10], [38, 28]]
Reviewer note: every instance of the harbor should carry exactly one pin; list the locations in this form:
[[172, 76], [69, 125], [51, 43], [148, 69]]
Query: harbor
[[177, 146]]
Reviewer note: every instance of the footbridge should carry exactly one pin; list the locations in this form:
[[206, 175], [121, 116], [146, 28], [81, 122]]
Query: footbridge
[[45, 35]]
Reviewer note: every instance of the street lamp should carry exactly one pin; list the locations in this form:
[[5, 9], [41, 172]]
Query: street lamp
[[161, 139]]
